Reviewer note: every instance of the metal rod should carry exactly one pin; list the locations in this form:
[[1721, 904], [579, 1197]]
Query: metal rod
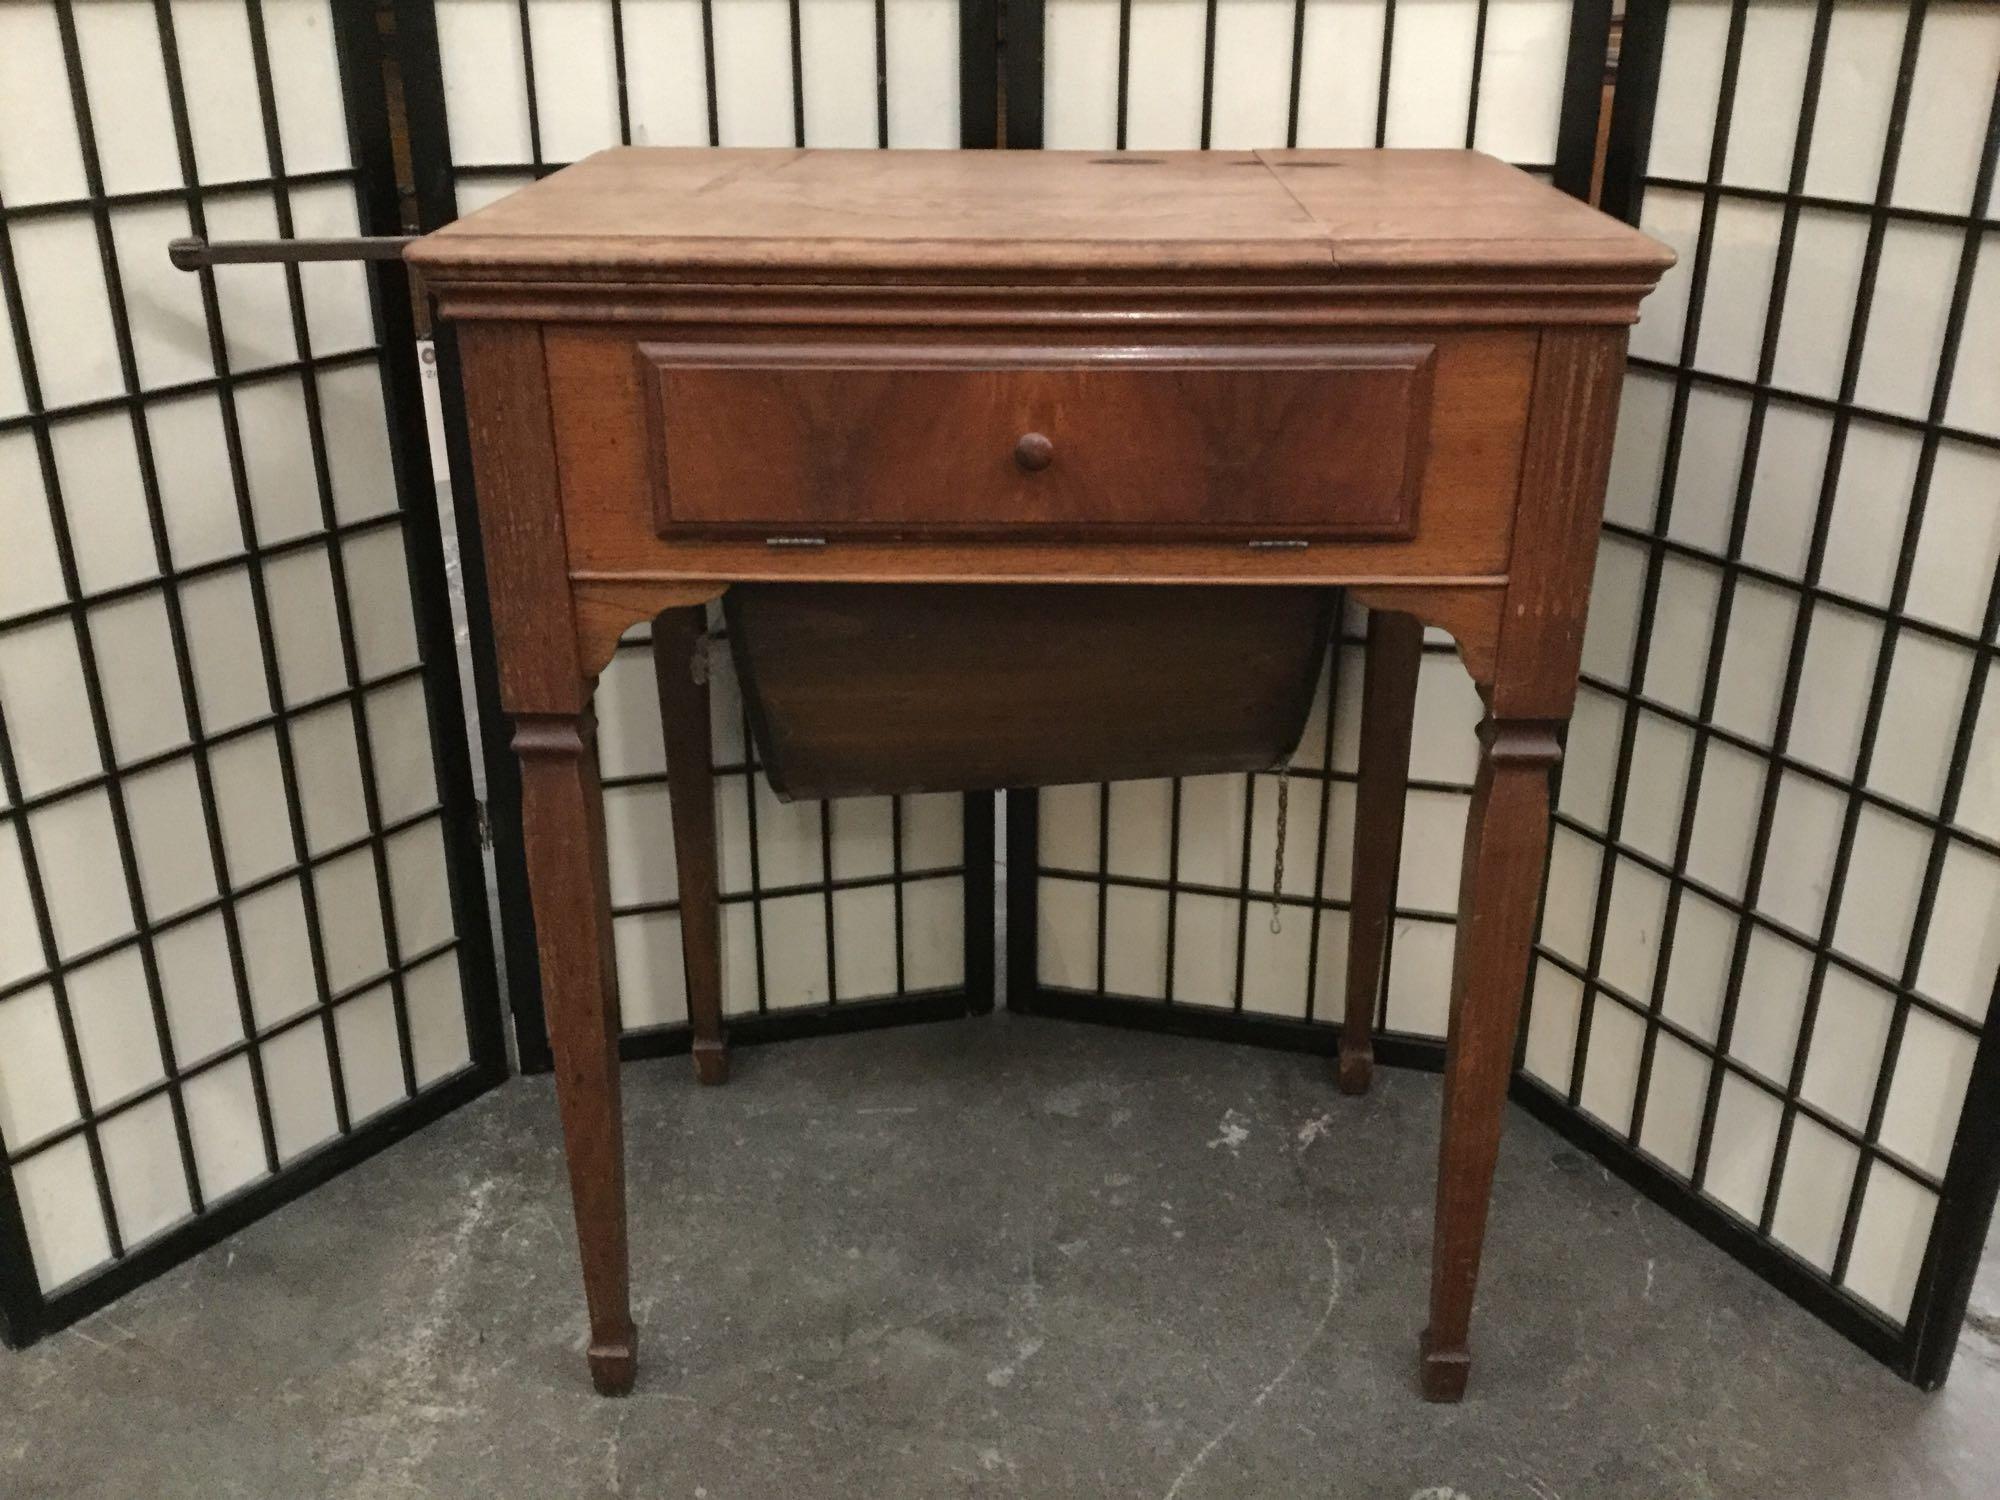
[[194, 253]]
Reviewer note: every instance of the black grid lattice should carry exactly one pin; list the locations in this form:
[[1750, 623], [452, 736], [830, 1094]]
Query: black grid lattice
[[1765, 809], [1767, 947], [244, 930], [502, 92]]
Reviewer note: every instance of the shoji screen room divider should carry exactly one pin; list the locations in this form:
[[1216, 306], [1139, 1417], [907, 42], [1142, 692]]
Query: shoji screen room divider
[[242, 922], [834, 914], [1769, 940]]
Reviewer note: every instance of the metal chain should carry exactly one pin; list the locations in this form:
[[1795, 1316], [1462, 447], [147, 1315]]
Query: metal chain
[[1278, 865]]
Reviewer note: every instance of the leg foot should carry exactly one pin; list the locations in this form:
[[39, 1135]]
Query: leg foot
[[1357, 1069], [1444, 1371], [711, 1062], [614, 1366]]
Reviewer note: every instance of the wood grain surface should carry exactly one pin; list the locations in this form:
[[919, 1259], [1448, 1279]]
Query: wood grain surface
[[606, 435], [858, 691], [1158, 443], [633, 210], [1039, 466]]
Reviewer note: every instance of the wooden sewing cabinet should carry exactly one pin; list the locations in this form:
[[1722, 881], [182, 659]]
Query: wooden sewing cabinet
[[1013, 468]]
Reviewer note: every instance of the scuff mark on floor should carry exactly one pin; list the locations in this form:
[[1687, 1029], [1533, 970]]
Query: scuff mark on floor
[[612, 1483], [1313, 1129], [1235, 1130], [1001, 1376], [1024, 1321], [400, 1428], [1333, 1288]]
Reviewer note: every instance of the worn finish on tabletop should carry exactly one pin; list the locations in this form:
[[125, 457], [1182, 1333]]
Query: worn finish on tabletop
[[694, 369], [999, 216]]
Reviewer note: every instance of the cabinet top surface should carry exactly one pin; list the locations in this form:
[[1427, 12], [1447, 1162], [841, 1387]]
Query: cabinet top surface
[[1305, 215]]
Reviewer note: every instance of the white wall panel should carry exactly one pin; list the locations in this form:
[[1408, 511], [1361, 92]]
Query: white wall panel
[[837, 47], [923, 74], [753, 73], [120, 47], [1253, 82], [220, 76], [1521, 81], [305, 85], [1430, 73], [576, 76], [1339, 73], [486, 99], [1080, 74], [664, 78], [1164, 100], [40, 161]]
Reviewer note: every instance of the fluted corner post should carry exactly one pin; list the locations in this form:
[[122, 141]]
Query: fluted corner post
[[1506, 838], [1529, 693]]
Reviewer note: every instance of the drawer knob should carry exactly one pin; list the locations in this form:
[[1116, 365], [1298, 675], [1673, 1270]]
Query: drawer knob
[[1034, 452]]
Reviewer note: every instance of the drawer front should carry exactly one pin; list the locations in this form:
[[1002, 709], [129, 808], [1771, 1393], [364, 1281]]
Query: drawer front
[[888, 441]]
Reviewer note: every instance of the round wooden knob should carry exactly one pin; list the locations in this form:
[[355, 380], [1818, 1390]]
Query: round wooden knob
[[1034, 452]]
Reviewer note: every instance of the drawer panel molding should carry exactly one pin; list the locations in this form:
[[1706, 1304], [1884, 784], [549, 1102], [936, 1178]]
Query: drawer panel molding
[[1295, 442]]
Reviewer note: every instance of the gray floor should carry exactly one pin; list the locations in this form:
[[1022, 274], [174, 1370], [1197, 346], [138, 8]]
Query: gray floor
[[1000, 1257]]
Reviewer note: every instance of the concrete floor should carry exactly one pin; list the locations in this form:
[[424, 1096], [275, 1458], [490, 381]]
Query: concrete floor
[[1002, 1257]]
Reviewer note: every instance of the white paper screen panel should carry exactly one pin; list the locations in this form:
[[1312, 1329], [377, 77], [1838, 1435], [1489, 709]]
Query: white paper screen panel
[[227, 933], [1770, 937], [1245, 74], [588, 74], [822, 902]]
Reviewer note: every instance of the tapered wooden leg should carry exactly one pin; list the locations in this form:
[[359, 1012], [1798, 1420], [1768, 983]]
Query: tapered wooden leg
[[1388, 704], [562, 814], [680, 662], [1505, 841]]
